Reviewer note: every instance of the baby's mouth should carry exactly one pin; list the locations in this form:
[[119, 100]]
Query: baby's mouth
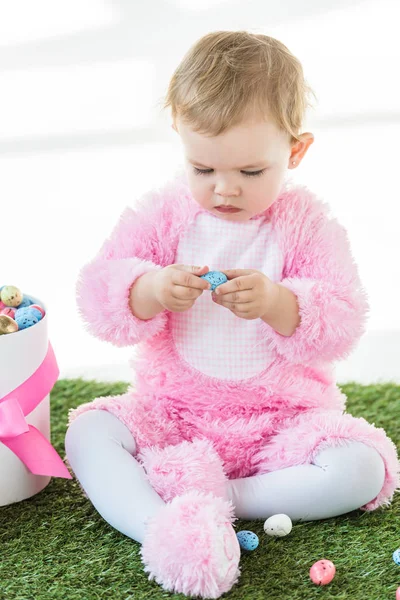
[[228, 209]]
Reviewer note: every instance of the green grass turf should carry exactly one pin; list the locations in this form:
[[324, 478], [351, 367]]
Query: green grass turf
[[55, 545]]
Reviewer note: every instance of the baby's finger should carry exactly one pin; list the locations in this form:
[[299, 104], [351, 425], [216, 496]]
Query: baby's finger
[[233, 273], [185, 277], [238, 284], [185, 293], [236, 297]]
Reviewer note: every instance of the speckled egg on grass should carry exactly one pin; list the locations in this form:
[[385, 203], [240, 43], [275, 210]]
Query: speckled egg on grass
[[248, 540], [278, 525], [396, 556], [215, 278], [322, 572]]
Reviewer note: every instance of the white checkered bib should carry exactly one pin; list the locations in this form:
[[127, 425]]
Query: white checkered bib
[[208, 336]]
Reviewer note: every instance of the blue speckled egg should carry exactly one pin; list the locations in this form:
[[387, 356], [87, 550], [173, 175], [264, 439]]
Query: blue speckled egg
[[247, 540], [215, 278], [26, 302], [28, 310], [396, 556], [26, 317]]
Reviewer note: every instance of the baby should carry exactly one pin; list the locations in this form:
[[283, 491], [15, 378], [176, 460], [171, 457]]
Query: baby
[[234, 412]]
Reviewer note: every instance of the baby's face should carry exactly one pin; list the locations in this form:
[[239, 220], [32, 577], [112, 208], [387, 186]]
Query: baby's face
[[245, 168]]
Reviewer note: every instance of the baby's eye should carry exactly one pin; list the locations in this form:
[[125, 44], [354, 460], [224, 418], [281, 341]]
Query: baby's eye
[[201, 172], [253, 173], [246, 173]]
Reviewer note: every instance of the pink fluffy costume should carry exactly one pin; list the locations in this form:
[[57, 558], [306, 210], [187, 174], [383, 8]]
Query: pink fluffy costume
[[217, 396]]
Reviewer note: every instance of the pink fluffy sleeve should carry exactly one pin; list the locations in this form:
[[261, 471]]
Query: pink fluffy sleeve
[[320, 271], [140, 242]]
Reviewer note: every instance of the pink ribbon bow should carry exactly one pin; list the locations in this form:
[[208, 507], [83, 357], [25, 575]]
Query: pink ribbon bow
[[27, 442]]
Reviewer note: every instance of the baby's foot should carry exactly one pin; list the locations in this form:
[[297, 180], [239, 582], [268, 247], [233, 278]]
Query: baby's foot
[[191, 547]]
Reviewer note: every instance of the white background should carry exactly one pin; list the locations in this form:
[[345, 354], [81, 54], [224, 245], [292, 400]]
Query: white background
[[82, 135]]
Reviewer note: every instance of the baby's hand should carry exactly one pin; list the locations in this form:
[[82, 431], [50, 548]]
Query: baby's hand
[[249, 294], [177, 287]]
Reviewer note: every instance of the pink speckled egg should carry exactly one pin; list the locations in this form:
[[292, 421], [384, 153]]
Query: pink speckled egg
[[322, 572], [8, 310], [40, 309], [398, 593]]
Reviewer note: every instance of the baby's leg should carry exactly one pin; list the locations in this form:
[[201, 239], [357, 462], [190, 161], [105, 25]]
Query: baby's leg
[[100, 450], [340, 479]]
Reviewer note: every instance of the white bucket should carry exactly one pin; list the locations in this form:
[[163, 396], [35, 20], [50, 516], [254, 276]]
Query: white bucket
[[21, 353]]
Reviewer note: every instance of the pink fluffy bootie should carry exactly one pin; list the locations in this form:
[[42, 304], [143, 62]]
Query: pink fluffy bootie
[[190, 546], [175, 470]]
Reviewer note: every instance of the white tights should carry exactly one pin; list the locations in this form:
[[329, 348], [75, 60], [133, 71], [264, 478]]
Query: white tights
[[101, 449]]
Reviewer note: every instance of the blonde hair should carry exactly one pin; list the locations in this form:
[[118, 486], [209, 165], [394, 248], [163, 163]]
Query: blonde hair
[[227, 77]]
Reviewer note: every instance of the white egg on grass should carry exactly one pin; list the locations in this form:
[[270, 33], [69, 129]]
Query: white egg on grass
[[278, 525]]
